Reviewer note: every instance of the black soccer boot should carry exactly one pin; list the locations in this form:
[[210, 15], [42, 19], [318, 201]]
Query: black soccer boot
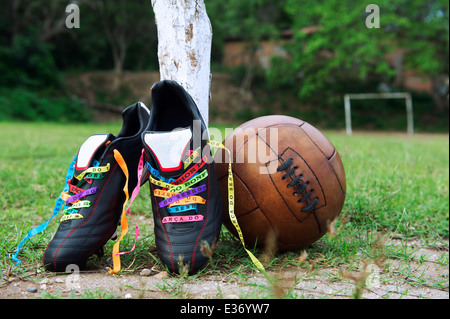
[[104, 170], [186, 202]]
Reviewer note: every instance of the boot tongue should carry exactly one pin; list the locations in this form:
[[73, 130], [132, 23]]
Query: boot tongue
[[167, 149], [91, 150]]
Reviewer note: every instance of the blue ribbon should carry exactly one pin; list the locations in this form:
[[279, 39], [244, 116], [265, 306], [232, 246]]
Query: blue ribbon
[[180, 209], [56, 210], [157, 174]]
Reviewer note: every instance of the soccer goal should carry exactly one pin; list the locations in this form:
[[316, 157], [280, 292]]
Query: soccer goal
[[366, 96]]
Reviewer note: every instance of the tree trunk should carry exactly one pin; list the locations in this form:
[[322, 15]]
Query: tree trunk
[[440, 92], [117, 37], [184, 47], [247, 81]]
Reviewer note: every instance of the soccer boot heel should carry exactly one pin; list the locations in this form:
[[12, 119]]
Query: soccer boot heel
[[185, 198]]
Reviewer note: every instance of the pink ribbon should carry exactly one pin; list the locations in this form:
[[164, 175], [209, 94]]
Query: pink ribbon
[[182, 219], [133, 196]]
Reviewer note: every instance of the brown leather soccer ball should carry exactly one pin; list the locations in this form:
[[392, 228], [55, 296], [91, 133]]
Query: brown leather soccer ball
[[289, 180]]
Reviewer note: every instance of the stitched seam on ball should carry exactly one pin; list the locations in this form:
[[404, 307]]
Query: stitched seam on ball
[[314, 210], [339, 182], [317, 146], [286, 204], [257, 206], [273, 182], [314, 174], [306, 217]]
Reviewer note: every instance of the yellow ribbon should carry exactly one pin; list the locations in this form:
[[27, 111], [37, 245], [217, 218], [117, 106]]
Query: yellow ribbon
[[194, 199], [233, 218], [99, 169], [71, 216], [182, 187]]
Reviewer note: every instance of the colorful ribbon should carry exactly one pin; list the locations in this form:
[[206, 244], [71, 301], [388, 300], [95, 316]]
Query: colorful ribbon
[[56, 209], [124, 223]]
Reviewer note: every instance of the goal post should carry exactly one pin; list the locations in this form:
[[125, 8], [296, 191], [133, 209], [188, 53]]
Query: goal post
[[367, 96]]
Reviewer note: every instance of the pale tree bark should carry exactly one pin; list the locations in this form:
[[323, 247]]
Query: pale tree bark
[[184, 47]]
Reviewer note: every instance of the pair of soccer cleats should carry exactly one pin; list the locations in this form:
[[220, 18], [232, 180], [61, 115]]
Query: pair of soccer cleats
[[168, 148]]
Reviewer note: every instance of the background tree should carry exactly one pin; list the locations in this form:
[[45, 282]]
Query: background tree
[[184, 47], [425, 36], [123, 23], [343, 51], [249, 21], [330, 53], [45, 18]]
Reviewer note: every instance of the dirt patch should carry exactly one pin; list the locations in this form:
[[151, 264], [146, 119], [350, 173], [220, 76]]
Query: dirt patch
[[423, 275], [105, 92]]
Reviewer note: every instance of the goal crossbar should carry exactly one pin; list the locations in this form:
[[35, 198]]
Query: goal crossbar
[[367, 96]]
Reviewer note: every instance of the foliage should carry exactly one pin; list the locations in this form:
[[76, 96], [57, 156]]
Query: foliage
[[36, 48], [250, 21], [425, 34], [23, 104], [123, 23], [106, 27], [343, 50], [341, 55], [28, 62]]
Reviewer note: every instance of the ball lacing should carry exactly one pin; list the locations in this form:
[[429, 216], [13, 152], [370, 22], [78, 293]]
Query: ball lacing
[[298, 184]]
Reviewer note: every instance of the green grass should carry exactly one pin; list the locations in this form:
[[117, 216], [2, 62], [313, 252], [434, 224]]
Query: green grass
[[397, 187], [397, 183]]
